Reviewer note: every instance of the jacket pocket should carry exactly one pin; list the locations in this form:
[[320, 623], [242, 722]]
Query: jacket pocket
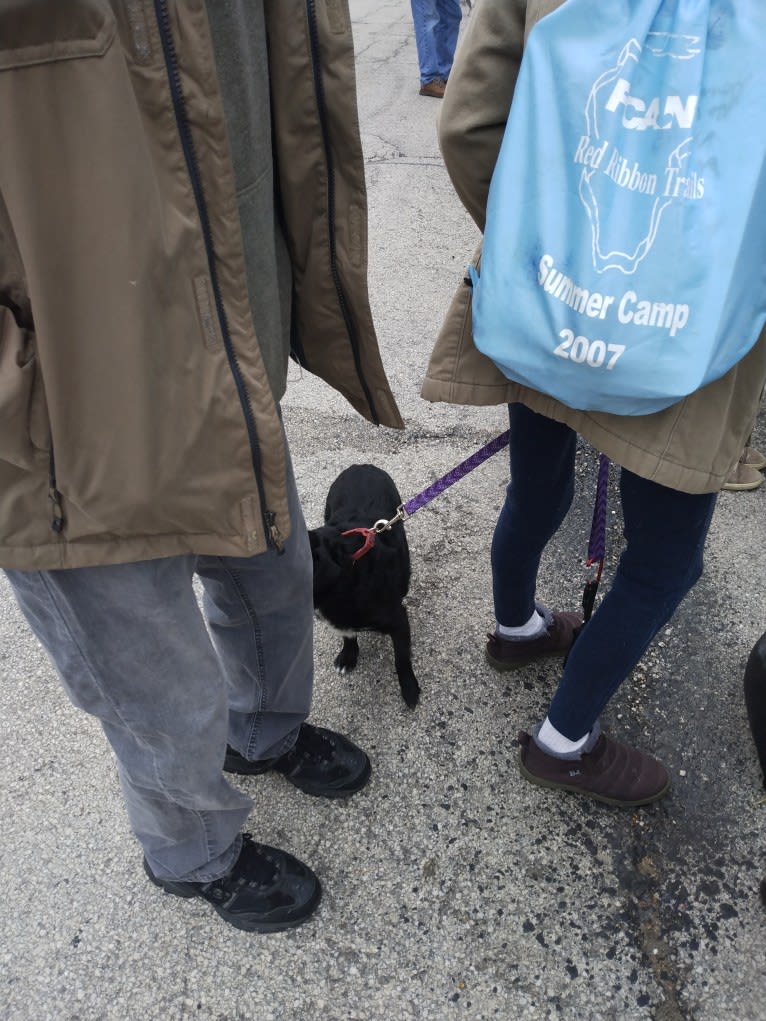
[[24, 427], [43, 31]]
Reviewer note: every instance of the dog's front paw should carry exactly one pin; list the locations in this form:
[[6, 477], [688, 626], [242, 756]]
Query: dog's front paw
[[410, 689], [348, 656]]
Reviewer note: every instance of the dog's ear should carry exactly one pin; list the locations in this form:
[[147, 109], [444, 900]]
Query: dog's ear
[[326, 555], [322, 541]]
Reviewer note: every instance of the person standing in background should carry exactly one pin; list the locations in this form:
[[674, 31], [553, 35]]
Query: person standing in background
[[437, 23]]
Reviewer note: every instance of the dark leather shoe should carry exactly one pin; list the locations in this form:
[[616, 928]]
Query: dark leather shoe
[[434, 88], [556, 640], [320, 762], [608, 771], [267, 890]]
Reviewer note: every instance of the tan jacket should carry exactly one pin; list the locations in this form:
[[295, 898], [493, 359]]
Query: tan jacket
[[690, 446], [136, 418]]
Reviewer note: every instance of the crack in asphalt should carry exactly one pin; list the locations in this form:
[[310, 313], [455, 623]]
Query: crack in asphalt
[[646, 913]]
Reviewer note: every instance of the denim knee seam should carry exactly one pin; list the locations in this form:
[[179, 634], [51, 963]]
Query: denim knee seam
[[252, 616], [43, 577]]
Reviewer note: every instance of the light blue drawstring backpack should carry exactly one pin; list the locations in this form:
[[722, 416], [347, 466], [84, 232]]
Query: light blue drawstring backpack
[[624, 261]]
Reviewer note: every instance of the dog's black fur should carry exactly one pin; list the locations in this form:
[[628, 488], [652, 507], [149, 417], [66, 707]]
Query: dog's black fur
[[367, 594]]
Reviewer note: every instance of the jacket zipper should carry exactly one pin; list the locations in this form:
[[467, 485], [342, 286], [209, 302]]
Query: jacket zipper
[[58, 520], [322, 110], [273, 535]]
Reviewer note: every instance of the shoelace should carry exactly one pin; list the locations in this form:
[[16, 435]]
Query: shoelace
[[313, 744], [252, 868]]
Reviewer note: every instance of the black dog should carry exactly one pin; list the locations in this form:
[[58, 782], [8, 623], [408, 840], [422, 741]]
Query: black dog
[[364, 594]]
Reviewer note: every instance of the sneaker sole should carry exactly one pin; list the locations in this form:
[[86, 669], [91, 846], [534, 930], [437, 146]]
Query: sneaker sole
[[741, 487], [244, 769], [266, 927], [503, 665], [572, 789], [182, 890]]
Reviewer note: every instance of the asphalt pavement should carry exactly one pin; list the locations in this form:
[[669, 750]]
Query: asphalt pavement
[[453, 888]]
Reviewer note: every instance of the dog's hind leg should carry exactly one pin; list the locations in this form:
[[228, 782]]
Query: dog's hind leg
[[347, 658], [400, 636]]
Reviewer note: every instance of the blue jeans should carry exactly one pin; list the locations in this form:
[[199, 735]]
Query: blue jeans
[[437, 23], [131, 647], [665, 533]]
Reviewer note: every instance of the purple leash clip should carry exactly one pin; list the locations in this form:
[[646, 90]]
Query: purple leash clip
[[406, 510]]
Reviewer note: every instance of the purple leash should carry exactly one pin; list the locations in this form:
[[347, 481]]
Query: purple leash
[[597, 541], [455, 475], [596, 544], [407, 509]]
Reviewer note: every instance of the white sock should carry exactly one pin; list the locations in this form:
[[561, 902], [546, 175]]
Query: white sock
[[555, 741], [533, 627]]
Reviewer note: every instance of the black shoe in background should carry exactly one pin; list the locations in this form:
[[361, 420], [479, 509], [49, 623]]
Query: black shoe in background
[[321, 763]]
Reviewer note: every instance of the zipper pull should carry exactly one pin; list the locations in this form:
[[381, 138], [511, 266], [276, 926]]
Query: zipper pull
[[57, 524], [276, 536]]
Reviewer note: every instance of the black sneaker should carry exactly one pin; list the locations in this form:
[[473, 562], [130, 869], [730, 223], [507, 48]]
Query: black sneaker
[[320, 762], [267, 890]]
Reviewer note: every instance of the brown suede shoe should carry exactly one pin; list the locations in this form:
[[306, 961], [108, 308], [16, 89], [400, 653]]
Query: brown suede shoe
[[743, 477], [434, 88], [753, 458], [556, 640], [609, 771]]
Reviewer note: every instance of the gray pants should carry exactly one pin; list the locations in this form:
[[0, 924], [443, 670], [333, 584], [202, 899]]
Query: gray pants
[[131, 646]]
